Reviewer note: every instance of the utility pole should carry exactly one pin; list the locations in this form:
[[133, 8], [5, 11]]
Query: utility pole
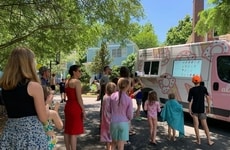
[[198, 6], [56, 61]]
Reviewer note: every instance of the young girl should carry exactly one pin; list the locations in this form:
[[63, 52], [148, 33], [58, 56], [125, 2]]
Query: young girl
[[153, 107], [105, 119], [121, 109], [55, 119]]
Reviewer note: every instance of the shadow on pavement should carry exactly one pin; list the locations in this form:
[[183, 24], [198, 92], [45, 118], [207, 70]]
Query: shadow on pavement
[[90, 140]]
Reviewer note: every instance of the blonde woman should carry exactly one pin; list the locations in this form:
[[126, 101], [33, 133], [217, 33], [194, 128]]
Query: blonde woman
[[24, 101]]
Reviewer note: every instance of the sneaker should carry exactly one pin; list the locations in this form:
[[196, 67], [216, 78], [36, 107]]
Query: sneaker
[[138, 118]]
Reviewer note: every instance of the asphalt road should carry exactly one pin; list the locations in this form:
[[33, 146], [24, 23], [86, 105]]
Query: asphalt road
[[219, 131]]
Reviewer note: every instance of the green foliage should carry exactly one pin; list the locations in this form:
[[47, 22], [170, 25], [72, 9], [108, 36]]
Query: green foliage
[[80, 59], [180, 34], [50, 26], [144, 36], [130, 61], [115, 72], [85, 77], [85, 88], [216, 18], [101, 59]]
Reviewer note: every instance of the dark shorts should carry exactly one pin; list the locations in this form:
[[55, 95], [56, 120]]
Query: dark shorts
[[53, 87], [139, 101], [62, 91], [201, 116]]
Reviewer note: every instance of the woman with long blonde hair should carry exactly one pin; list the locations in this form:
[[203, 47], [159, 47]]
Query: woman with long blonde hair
[[24, 101]]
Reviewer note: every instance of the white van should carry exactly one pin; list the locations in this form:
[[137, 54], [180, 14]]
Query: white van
[[170, 69]]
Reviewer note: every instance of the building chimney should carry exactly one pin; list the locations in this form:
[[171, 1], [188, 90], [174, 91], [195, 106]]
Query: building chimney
[[198, 6]]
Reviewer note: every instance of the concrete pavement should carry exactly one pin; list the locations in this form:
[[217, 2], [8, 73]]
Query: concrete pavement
[[90, 140]]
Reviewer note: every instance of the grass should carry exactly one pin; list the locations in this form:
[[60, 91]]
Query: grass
[[89, 94]]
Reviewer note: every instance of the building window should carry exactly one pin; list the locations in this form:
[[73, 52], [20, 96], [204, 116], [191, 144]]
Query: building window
[[119, 52]]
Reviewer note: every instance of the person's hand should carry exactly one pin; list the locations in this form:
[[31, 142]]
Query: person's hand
[[83, 114], [132, 96], [52, 92], [49, 99], [208, 110]]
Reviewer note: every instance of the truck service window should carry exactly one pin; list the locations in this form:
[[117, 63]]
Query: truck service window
[[186, 68], [151, 67]]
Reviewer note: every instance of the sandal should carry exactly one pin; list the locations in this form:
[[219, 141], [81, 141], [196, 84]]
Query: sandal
[[128, 142], [153, 143], [210, 143]]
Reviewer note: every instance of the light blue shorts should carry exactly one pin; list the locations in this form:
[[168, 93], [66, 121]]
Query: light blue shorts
[[119, 131]]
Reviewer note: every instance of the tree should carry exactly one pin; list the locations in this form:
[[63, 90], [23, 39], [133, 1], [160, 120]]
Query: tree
[[49, 26], [180, 34], [144, 36], [216, 18], [130, 62], [101, 59], [115, 72]]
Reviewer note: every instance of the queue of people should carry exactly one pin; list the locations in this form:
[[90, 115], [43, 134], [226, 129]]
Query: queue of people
[[28, 103], [113, 111]]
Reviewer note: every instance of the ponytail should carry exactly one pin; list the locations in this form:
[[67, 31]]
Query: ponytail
[[119, 100]]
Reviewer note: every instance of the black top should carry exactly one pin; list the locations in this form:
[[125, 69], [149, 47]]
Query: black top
[[197, 94], [62, 86], [18, 102]]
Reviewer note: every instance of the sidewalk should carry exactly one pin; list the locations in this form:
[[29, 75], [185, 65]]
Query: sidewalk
[[90, 140]]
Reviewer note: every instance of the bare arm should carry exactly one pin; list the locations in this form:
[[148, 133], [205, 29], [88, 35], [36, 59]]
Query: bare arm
[[190, 107], [208, 99], [79, 97], [159, 107], [146, 105], [136, 92], [56, 119], [35, 90], [142, 85], [129, 112]]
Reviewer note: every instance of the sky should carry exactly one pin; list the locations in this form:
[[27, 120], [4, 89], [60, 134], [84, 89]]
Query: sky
[[164, 14]]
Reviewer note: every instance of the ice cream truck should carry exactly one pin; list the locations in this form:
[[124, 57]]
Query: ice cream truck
[[170, 69]]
